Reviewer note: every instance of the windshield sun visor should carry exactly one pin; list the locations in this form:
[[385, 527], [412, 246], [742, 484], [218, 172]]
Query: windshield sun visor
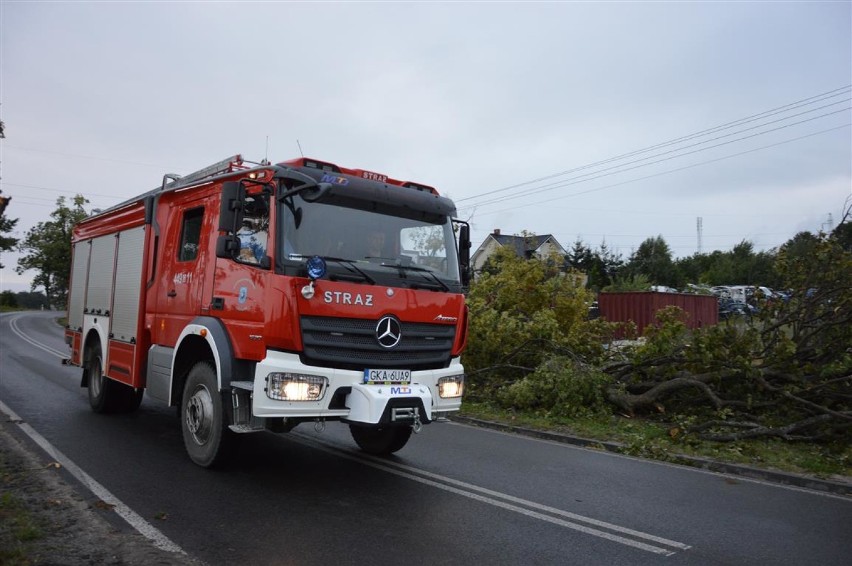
[[372, 196]]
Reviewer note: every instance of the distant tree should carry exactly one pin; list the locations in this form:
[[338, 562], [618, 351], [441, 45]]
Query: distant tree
[[7, 243], [801, 245], [47, 249], [750, 268], [31, 300], [8, 299], [843, 234], [740, 266], [579, 256], [628, 283], [606, 264], [599, 265], [653, 259], [695, 268]]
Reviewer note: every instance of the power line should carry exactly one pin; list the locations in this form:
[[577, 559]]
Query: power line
[[668, 214], [684, 237], [58, 190], [791, 106], [19, 202], [622, 169], [162, 168], [723, 158]]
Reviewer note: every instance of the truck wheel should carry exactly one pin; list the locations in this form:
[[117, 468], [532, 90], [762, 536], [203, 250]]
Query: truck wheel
[[206, 435], [131, 398], [99, 385], [380, 441], [107, 395]]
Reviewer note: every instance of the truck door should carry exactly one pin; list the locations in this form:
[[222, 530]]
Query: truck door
[[240, 293], [183, 265]]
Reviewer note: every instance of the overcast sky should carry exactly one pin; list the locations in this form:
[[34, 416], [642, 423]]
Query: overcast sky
[[102, 99]]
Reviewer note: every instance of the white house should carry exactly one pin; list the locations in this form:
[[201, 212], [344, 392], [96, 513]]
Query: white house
[[529, 246]]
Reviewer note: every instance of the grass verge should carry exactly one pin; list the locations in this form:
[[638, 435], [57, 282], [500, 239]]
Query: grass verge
[[19, 529], [658, 441]]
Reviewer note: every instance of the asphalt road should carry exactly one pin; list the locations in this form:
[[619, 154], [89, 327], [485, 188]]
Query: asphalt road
[[454, 495]]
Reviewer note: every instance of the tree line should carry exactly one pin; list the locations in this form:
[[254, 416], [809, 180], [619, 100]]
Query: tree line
[[652, 263], [46, 249]]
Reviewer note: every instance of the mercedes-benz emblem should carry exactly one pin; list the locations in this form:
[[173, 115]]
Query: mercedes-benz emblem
[[388, 332]]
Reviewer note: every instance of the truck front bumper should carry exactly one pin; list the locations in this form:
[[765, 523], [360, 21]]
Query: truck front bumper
[[345, 396]]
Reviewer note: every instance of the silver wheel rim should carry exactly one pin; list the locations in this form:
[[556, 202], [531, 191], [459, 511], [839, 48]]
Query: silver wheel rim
[[199, 415]]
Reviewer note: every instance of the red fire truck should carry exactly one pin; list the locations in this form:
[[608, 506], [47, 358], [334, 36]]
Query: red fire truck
[[256, 297]]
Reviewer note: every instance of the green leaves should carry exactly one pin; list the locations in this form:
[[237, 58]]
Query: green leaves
[[522, 313], [47, 249], [561, 387]]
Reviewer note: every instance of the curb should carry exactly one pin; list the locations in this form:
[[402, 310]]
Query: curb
[[783, 478]]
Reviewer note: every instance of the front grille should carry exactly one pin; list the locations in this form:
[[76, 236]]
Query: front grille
[[350, 343]]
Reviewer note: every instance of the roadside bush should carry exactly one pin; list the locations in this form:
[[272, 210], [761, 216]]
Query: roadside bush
[[562, 387], [522, 313]]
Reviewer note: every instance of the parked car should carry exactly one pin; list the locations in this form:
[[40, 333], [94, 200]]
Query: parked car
[[594, 311], [729, 308], [663, 289]]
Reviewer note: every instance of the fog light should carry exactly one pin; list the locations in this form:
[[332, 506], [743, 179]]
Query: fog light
[[295, 387], [452, 386]]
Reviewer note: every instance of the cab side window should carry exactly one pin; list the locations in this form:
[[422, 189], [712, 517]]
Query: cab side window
[[190, 234], [254, 232]]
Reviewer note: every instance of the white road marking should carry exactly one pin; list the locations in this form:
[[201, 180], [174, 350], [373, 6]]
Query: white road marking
[[13, 324], [147, 530], [510, 503], [133, 519]]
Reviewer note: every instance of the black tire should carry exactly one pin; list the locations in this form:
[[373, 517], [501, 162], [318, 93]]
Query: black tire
[[107, 395], [132, 398], [98, 384], [206, 435], [380, 441]]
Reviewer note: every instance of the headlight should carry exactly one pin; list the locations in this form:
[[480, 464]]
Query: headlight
[[295, 387], [452, 386]]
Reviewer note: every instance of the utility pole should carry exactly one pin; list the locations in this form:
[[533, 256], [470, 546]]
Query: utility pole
[[699, 224]]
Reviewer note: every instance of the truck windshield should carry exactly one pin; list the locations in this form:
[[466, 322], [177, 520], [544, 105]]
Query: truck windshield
[[394, 251]]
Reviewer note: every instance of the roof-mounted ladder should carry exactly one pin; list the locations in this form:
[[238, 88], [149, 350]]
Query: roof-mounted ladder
[[225, 166]]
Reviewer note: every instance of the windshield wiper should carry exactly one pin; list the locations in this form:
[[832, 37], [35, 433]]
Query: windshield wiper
[[358, 275], [355, 274], [403, 267]]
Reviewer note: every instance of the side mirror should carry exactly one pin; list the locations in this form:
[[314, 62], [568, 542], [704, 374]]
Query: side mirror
[[464, 253], [227, 246], [231, 209]]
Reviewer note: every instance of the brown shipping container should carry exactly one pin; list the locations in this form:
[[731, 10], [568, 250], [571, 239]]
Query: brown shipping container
[[641, 307]]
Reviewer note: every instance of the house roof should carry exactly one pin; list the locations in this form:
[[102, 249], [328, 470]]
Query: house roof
[[520, 244], [523, 244]]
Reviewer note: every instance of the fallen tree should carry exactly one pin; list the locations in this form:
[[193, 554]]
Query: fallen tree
[[785, 373]]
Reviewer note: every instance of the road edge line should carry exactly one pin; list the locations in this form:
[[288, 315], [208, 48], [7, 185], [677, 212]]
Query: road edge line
[[132, 518]]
